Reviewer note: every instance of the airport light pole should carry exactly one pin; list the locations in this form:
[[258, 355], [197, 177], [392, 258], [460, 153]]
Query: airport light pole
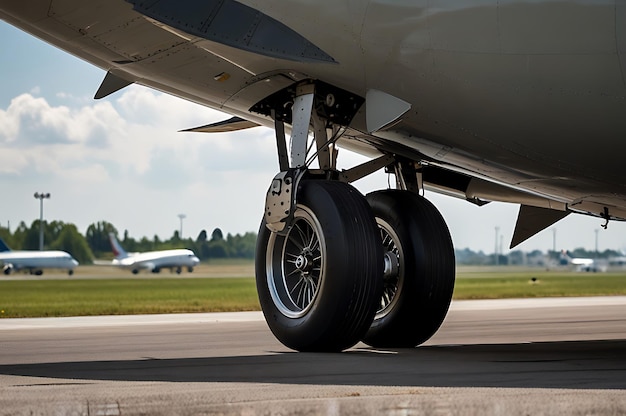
[[182, 217], [497, 260], [41, 197]]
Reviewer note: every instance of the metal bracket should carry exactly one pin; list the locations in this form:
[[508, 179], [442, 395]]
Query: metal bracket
[[607, 217], [408, 176], [366, 168], [280, 201]]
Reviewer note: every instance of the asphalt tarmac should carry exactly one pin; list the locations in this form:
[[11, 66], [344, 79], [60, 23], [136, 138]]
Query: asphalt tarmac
[[515, 357]]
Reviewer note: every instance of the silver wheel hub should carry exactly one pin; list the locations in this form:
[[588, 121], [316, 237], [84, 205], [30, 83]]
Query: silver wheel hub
[[304, 263], [392, 265], [295, 265]]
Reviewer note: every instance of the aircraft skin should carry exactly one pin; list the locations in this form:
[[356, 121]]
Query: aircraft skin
[[518, 101], [153, 261], [35, 261]]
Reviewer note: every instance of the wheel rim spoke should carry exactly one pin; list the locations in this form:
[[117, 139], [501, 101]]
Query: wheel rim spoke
[[393, 269], [297, 265]]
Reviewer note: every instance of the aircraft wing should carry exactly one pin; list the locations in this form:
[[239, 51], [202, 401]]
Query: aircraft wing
[[102, 263], [582, 262]]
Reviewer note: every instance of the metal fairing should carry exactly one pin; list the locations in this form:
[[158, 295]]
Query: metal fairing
[[234, 24]]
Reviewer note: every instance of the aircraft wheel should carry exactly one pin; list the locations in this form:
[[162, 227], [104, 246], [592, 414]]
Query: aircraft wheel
[[70, 272], [419, 270], [6, 270], [135, 271], [179, 270], [319, 284]]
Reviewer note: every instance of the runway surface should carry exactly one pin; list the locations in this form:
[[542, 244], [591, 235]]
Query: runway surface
[[517, 357]]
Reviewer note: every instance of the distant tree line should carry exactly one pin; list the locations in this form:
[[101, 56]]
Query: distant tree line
[[95, 243]]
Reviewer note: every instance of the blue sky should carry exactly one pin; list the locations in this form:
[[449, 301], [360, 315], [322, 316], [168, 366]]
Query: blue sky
[[121, 159]]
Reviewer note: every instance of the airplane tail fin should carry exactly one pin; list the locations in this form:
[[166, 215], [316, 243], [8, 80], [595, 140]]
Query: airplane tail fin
[[3, 246], [564, 259], [118, 250]]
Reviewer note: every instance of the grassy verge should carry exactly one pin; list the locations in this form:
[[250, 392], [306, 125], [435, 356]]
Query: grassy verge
[[120, 294], [19, 298], [545, 284]]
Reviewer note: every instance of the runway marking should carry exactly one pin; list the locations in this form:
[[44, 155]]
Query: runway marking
[[129, 320], [531, 303], [256, 316]]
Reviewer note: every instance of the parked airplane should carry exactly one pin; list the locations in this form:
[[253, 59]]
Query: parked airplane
[[514, 101], [35, 260], [581, 264], [152, 261]]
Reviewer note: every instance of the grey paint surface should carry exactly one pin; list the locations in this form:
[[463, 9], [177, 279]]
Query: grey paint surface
[[563, 356]]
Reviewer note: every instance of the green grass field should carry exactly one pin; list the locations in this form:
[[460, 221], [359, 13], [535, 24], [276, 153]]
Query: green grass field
[[105, 291], [501, 285]]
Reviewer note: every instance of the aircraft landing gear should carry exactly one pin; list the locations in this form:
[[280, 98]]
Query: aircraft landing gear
[[332, 267]]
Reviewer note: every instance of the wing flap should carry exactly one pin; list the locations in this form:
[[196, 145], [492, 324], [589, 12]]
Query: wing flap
[[531, 220], [110, 84], [225, 126]]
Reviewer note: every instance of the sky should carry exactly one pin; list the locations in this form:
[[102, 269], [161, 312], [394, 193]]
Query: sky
[[122, 159]]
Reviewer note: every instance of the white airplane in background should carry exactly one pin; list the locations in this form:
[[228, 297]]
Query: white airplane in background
[[35, 260], [488, 100], [581, 264], [153, 261]]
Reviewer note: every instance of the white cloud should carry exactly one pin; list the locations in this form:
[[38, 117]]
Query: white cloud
[[125, 160], [12, 161], [9, 127]]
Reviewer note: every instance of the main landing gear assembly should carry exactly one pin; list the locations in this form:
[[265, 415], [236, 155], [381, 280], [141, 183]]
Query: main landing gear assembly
[[334, 267]]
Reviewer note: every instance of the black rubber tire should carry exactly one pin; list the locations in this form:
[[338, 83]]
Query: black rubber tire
[[427, 270], [342, 308]]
